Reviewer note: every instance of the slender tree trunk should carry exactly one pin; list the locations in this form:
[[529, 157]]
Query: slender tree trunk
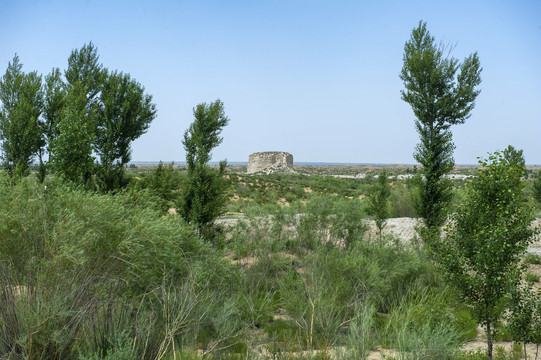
[[489, 340]]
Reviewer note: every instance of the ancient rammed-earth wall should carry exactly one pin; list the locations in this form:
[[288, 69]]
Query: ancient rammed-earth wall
[[270, 162]]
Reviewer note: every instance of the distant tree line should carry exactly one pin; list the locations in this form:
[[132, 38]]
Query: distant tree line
[[83, 119]]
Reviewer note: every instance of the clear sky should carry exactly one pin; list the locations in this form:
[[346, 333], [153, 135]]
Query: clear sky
[[318, 79]]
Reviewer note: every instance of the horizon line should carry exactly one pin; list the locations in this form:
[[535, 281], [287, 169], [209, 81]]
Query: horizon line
[[299, 163]]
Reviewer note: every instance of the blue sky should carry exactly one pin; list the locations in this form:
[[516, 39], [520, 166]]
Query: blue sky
[[318, 79]]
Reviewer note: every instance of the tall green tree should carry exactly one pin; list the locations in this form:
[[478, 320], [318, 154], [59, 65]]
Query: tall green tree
[[125, 114], [54, 101], [204, 191], [482, 252], [22, 103], [71, 149], [85, 70], [442, 93], [85, 74], [72, 143], [53, 105]]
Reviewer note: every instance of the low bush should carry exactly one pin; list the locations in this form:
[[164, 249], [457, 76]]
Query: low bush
[[71, 255], [421, 326], [164, 182], [533, 259], [532, 278]]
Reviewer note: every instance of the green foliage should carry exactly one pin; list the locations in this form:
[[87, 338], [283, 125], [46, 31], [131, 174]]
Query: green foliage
[[537, 187], [532, 278], [164, 182], [203, 197], [283, 334], [319, 303], [330, 220], [85, 69], [126, 235], [43, 311], [524, 321], [22, 103], [492, 230], [74, 254], [71, 129], [53, 107], [421, 327], [379, 200], [514, 157], [54, 102], [402, 199], [92, 112], [72, 147], [441, 93], [515, 353], [112, 278], [362, 338], [125, 114], [532, 259]]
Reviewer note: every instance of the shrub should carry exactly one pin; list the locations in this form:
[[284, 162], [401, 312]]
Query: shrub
[[532, 278], [379, 200], [420, 326], [402, 200], [67, 256], [43, 311], [534, 259], [165, 183]]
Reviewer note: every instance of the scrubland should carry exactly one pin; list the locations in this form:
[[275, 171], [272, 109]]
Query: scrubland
[[292, 271]]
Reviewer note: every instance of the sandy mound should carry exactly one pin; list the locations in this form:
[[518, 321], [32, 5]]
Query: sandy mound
[[403, 228]]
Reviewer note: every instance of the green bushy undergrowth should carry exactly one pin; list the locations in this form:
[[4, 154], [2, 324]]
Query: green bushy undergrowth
[[67, 255], [93, 276], [326, 290]]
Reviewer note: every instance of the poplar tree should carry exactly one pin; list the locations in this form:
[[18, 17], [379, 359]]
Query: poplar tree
[[203, 197], [442, 93], [72, 143], [53, 106], [125, 114], [22, 103], [482, 253], [54, 101], [85, 70], [72, 148]]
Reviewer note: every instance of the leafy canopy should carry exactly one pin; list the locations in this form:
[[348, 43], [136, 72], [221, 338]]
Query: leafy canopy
[[203, 197], [125, 114], [22, 103], [482, 252], [441, 92]]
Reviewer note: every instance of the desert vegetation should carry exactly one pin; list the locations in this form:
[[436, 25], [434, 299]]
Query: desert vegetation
[[114, 276], [99, 260]]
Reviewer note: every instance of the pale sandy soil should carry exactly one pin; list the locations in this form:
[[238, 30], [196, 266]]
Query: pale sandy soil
[[403, 228]]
